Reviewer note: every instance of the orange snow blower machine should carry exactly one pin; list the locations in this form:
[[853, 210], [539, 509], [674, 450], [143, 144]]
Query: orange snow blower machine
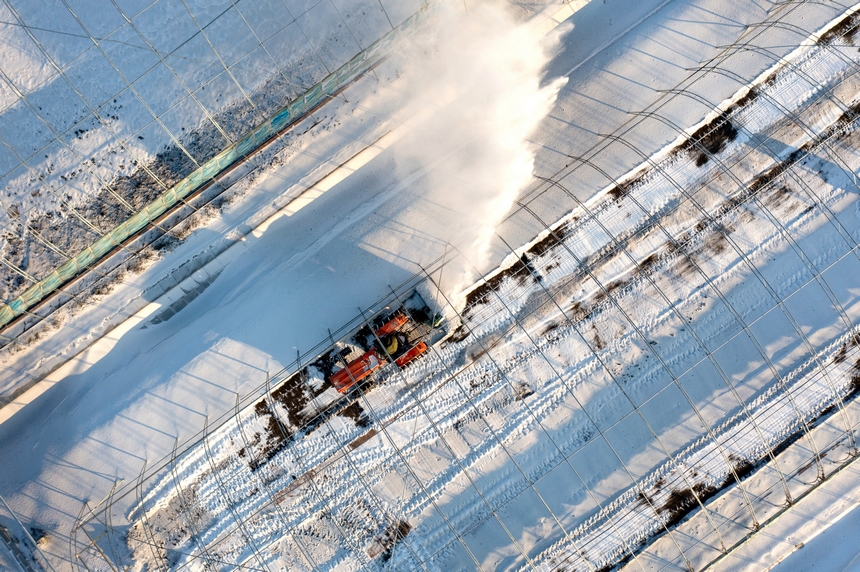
[[397, 337]]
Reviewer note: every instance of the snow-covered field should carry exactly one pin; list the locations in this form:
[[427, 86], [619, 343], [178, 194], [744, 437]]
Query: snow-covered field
[[587, 399], [815, 535], [121, 101], [623, 368]]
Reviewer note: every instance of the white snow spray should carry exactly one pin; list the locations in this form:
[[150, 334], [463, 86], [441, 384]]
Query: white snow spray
[[482, 72]]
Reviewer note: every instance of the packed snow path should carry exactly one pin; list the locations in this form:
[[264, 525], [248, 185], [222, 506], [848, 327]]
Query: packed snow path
[[675, 332]]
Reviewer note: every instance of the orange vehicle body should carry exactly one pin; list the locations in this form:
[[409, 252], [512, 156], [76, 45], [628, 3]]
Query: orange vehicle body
[[391, 325], [369, 362], [356, 370], [410, 355]]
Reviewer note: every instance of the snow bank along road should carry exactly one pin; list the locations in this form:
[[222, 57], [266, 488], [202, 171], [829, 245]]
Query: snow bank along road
[[648, 351], [157, 383]]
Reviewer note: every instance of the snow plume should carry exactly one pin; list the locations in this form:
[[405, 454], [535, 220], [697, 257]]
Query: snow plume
[[481, 75]]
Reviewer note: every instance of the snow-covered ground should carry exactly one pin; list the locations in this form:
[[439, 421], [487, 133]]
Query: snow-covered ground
[[817, 535], [312, 151], [118, 102], [196, 209], [311, 270], [621, 346], [644, 299]]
